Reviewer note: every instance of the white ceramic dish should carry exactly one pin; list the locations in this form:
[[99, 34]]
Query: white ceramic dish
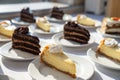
[[58, 38], [4, 38], [14, 54], [107, 35], [40, 71], [55, 28], [19, 22], [102, 60]]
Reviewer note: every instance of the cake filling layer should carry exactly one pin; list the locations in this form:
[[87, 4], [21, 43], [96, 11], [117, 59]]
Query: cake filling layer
[[27, 49], [82, 31], [26, 38], [76, 35]]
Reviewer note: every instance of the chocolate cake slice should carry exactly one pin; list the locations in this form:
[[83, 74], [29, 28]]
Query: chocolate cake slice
[[75, 32], [26, 15], [57, 13], [22, 40]]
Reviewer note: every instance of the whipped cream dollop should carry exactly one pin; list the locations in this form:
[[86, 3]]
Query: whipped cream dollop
[[83, 17], [55, 48], [111, 42], [42, 19], [67, 17]]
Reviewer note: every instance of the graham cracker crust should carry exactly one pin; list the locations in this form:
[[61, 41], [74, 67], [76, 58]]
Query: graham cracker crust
[[113, 59], [41, 60]]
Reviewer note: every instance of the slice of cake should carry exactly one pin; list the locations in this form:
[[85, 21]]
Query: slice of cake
[[109, 48], [111, 26], [84, 20], [43, 24], [6, 29], [53, 56], [27, 15], [22, 40], [57, 13], [75, 32]]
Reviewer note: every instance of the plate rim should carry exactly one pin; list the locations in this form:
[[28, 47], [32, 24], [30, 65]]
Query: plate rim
[[61, 33], [5, 40], [45, 33], [82, 58], [100, 63], [106, 35], [19, 59], [15, 21]]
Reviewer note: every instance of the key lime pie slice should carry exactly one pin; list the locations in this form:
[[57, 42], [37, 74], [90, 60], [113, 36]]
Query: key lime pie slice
[[53, 56], [84, 20], [43, 24], [109, 48], [6, 28]]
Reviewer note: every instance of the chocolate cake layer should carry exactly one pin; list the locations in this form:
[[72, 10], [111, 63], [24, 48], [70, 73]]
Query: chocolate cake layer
[[26, 49], [57, 13], [28, 38], [72, 29], [26, 15], [75, 32], [23, 41], [27, 44], [76, 35], [77, 40]]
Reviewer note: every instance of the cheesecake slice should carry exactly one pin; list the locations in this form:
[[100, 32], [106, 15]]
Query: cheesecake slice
[[43, 24], [53, 56], [84, 20], [6, 29], [109, 48]]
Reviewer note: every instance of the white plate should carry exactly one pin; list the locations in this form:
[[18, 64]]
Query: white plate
[[40, 71], [97, 24], [54, 28], [107, 35], [58, 38], [4, 38], [15, 54], [102, 60], [19, 22], [66, 17]]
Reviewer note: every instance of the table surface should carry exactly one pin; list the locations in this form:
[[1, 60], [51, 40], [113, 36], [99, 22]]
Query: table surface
[[18, 69]]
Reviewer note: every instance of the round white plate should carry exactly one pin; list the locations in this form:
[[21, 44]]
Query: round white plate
[[40, 71], [15, 54], [66, 17], [54, 28], [4, 38], [19, 22], [58, 38], [102, 60], [107, 35], [97, 24]]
